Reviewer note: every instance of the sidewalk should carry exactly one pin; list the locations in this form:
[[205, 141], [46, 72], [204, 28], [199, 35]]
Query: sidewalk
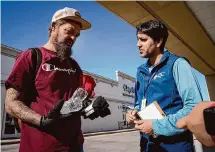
[[16, 141]]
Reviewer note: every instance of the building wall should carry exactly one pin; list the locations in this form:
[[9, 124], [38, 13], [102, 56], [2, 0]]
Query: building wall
[[2, 105], [6, 66], [8, 56]]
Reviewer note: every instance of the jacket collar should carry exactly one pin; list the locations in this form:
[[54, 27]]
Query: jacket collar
[[145, 66]]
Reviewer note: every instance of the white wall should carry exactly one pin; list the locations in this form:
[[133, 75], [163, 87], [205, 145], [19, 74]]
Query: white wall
[[106, 90], [115, 91], [130, 84], [3, 91], [6, 66]]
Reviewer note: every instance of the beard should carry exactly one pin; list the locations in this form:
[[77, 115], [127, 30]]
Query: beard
[[64, 49]]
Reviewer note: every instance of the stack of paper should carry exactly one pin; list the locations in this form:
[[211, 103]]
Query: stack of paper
[[152, 111]]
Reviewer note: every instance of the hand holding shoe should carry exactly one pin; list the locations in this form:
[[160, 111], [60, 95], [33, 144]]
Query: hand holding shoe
[[96, 108], [49, 122]]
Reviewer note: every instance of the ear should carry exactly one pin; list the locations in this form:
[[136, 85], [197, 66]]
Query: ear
[[53, 27], [159, 43]]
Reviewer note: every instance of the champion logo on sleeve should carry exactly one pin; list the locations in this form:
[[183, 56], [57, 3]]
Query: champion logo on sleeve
[[49, 67]]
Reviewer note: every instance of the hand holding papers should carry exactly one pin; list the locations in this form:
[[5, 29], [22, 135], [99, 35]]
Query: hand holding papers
[[147, 115], [152, 111]]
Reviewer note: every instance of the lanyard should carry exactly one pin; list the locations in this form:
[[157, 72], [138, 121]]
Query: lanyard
[[149, 81]]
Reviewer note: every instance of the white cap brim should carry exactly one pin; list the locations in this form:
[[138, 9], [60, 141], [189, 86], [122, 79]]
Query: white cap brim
[[85, 24]]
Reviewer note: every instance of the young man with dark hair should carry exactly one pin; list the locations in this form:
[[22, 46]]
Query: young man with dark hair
[[36, 98], [169, 80]]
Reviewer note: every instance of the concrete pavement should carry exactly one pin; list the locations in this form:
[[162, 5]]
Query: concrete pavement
[[124, 141], [16, 141]]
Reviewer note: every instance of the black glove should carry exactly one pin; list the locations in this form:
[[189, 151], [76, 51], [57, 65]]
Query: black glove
[[86, 103], [48, 123], [101, 105], [104, 112], [92, 116], [97, 108]]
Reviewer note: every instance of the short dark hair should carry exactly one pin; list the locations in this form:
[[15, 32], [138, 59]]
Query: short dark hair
[[155, 29]]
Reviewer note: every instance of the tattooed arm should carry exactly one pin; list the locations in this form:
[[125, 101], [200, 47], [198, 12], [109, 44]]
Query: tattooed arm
[[19, 110]]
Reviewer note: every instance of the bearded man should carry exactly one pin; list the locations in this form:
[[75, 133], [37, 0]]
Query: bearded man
[[31, 96]]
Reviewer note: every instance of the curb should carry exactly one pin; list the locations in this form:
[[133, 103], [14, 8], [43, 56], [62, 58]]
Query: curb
[[16, 141], [108, 132], [9, 141]]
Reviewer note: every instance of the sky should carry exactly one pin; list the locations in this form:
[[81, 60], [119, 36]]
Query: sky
[[109, 46]]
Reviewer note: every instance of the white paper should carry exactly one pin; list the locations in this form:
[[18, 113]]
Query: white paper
[[150, 112]]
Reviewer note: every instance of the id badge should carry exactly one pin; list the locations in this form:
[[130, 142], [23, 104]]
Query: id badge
[[143, 105]]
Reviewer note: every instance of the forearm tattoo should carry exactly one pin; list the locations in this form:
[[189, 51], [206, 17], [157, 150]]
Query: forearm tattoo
[[16, 108]]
